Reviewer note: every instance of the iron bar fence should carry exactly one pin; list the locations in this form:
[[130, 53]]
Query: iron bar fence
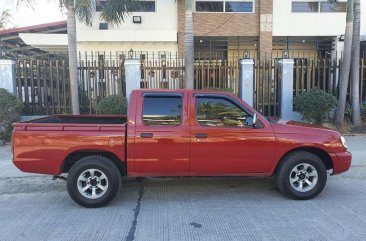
[[266, 87], [99, 79], [43, 85]]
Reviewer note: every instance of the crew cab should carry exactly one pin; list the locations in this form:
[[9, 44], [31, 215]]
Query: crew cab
[[177, 133]]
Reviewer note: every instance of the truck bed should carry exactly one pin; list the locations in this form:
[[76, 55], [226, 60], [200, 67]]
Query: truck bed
[[42, 144], [82, 119]]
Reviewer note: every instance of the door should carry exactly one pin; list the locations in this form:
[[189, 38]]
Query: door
[[162, 137], [224, 139]]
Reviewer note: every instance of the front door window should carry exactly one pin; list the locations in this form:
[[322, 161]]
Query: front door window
[[220, 112]]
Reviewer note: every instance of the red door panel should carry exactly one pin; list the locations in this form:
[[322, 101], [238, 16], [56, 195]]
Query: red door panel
[[223, 142], [162, 144], [167, 152], [231, 151]]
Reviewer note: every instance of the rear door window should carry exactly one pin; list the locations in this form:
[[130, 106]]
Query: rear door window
[[162, 111]]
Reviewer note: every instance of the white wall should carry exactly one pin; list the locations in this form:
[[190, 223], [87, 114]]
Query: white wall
[[286, 23], [363, 19], [158, 26], [48, 42], [126, 46]]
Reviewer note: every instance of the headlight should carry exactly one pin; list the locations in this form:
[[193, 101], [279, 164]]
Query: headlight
[[343, 140]]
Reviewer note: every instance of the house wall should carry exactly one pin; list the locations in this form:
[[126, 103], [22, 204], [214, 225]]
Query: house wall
[[163, 30], [226, 24], [266, 28], [158, 31], [219, 24], [181, 26], [126, 46], [286, 23], [363, 19]]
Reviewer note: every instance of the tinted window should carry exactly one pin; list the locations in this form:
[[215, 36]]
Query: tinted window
[[209, 6], [219, 112], [140, 6], [333, 7], [243, 7], [144, 6], [162, 111], [305, 7], [101, 5]]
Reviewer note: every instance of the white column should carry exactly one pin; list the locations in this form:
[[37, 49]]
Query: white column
[[7, 75], [287, 88], [337, 54], [132, 75], [246, 81]]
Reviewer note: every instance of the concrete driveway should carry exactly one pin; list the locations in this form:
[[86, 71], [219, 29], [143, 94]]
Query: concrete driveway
[[33, 207]]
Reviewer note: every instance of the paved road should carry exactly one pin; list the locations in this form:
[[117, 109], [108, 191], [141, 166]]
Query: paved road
[[32, 207]]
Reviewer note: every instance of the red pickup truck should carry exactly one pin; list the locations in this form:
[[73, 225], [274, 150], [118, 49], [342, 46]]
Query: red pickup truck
[[177, 133]]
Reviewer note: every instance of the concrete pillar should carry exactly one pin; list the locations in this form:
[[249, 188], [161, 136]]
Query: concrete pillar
[[287, 87], [246, 81], [8, 75], [132, 75]]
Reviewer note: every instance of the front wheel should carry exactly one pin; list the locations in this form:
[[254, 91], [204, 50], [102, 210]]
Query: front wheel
[[93, 181], [301, 175]]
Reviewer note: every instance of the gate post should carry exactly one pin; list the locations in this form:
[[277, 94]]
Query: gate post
[[246, 80], [8, 75], [287, 90], [132, 75]]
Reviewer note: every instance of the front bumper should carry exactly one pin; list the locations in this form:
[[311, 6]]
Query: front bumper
[[341, 162]]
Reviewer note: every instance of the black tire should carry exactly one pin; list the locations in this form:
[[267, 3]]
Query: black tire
[[294, 161], [110, 181]]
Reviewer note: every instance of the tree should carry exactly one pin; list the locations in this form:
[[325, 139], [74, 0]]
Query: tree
[[5, 19], [113, 12], [345, 66], [355, 67], [188, 46]]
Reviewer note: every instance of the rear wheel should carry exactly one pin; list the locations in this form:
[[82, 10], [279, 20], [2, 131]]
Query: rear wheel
[[93, 181], [301, 175]]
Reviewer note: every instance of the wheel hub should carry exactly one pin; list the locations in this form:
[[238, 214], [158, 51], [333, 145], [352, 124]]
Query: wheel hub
[[92, 183], [303, 177]]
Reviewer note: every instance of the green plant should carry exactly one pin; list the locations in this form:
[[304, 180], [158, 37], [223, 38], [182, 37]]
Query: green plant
[[363, 112], [84, 101], [112, 105], [314, 105], [348, 112], [10, 109]]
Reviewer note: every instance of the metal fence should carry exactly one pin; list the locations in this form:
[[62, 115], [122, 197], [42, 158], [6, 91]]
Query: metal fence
[[266, 87], [163, 73], [44, 87], [99, 79], [217, 74], [322, 73]]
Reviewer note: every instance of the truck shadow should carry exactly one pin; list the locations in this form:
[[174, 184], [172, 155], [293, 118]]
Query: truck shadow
[[196, 188]]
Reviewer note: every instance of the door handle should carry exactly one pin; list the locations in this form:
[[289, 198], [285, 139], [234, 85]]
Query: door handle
[[146, 135], [201, 135]]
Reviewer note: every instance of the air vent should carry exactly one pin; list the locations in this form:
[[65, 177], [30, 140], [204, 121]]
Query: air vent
[[137, 19], [103, 26]]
